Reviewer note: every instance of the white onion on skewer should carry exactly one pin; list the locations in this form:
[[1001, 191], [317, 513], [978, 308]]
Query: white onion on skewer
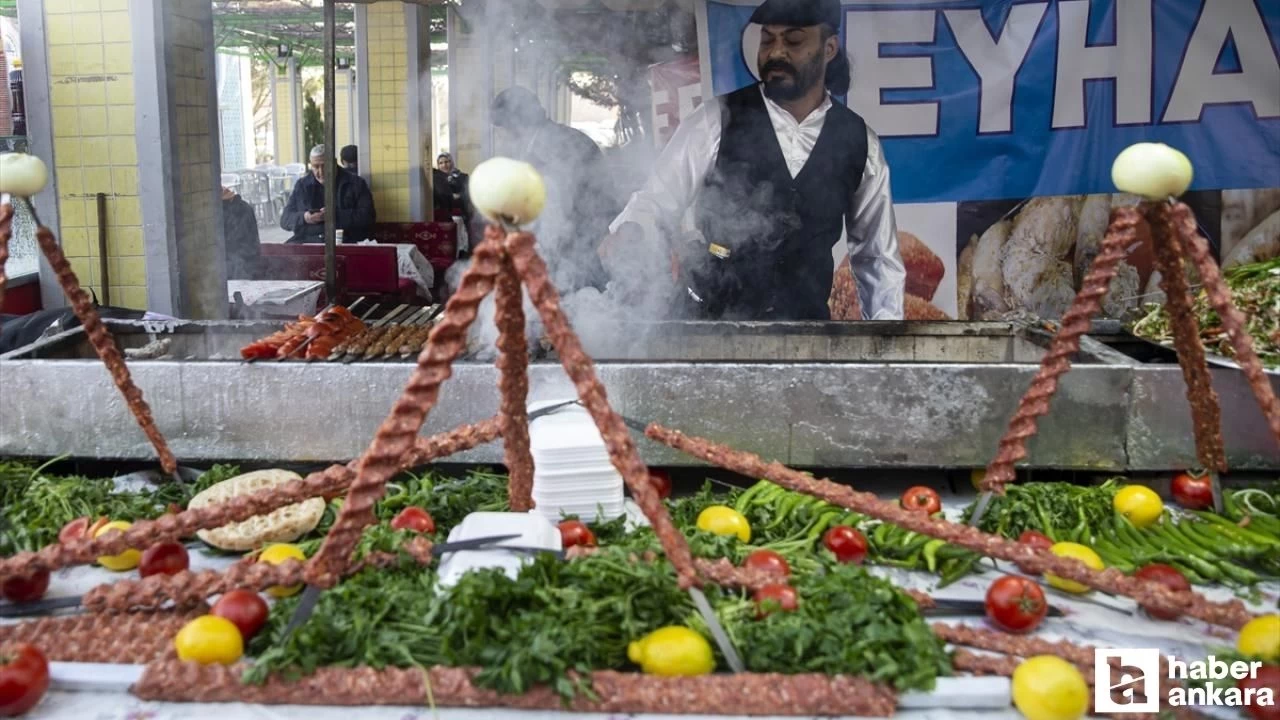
[[1152, 170], [508, 191], [22, 174]]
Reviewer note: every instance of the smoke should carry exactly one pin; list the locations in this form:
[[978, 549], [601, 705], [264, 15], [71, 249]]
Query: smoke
[[528, 46]]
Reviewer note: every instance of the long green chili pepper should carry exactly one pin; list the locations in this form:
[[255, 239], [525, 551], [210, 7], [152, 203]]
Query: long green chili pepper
[[931, 554]]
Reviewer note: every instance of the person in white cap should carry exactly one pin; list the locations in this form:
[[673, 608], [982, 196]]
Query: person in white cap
[[304, 215], [777, 173]]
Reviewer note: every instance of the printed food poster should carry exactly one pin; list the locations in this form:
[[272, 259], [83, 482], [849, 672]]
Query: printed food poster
[[1000, 121]]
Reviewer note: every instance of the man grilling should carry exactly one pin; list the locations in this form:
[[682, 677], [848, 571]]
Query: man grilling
[[775, 172]]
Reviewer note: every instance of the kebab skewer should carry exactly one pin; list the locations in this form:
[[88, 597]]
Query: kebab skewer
[[392, 338], [357, 344], [22, 176], [412, 344]]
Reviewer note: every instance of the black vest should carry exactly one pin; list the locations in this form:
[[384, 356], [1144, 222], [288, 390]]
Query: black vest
[[779, 231]]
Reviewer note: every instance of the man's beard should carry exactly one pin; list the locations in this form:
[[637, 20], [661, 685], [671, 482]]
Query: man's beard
[[792, 82]]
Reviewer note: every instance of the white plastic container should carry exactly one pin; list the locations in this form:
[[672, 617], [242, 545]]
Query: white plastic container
[[535, 531]]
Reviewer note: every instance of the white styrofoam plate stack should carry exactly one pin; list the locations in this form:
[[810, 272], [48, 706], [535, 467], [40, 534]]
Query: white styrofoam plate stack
[[572, 474]]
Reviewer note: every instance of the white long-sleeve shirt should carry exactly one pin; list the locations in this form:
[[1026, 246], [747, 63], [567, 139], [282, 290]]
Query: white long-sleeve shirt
[[870, 227]]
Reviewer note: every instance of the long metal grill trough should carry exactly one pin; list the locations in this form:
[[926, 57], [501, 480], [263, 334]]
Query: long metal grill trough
[[807, 394]]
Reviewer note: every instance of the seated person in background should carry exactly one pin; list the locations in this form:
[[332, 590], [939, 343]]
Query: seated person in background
[[349, 158], [240, 237], [305, 213], [449, 189]]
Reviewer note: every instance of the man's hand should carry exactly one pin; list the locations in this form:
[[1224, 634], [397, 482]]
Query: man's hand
[[617, 244], [314, 218]]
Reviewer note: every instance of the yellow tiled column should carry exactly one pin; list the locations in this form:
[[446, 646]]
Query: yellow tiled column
[[286, 114], [385, 75], [190, 62], [344, 128], [95, 149]]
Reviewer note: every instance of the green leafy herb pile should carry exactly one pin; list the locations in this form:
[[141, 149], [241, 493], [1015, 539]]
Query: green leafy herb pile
[[557, 617], [1255, 291], [34, 505], [1063, 511]]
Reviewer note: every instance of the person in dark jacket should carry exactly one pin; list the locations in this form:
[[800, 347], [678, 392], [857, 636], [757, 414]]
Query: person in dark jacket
[[240, 236], [305, 213], [449, 189], [580, 197], [349, 158]]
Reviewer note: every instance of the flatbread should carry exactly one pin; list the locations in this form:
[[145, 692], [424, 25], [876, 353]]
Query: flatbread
[[284, 525]]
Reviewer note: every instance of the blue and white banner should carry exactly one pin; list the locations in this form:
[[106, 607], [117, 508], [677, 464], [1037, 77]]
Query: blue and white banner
[[983, 100]]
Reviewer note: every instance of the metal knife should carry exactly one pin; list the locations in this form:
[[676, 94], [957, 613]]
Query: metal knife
[[956, 607], [39, 607], [717, 630]]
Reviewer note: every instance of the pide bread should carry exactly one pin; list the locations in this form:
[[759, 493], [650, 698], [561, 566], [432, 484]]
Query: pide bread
[[284, 525]]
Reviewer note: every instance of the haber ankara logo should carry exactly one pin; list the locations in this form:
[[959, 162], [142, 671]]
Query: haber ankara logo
[[1125, 680]]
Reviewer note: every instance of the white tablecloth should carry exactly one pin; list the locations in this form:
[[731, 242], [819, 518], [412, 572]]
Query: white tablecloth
[[279, 297], [412, 264], [1084, 623]]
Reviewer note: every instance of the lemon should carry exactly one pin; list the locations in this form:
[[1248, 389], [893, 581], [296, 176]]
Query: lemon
[[1046, 687], [723, 520], [209, 639], [976, 476], [276, 554], [672, 650], [1260, 638], [1079, 552], [126, 560], [1140, 504]]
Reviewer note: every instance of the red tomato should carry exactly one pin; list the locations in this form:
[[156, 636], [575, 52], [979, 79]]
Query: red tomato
[[164, 558], [1268, 676], [80, 528], [922, 499], [415, 519], [245, 609], [26, 589], [777, 596], [1194, 492], [1168, 576], [24, 676], [847, 543], [661, 479], [1015, 604], [574, 532], [1035, 539], [768, 561]]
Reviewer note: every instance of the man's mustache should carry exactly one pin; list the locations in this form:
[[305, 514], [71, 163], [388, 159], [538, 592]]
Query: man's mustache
[[777, 65]]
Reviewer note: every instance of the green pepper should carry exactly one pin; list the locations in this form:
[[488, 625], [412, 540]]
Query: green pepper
[[824, 521], [745, 499], [785, 509], [931, 554], [1243, 534], [1192, 576], [958, 570]]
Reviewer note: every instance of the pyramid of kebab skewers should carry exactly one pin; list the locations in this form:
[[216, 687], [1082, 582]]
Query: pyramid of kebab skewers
[[511, 193]]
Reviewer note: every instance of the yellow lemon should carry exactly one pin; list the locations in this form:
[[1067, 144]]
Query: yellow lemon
[[209, 639], [723, 520], [1260, 638], [126, 560], [976, 476], [276, 554], [1079, 552], [1046, 687], [672, 650], [1140, 504]]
